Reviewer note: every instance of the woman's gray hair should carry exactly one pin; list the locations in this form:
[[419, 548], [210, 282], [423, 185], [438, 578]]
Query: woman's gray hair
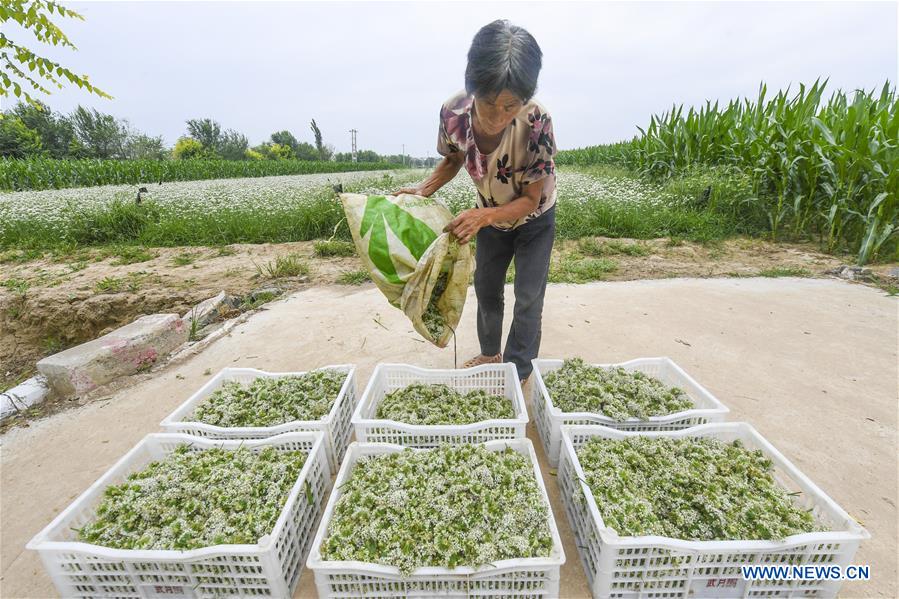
[[503, 56]]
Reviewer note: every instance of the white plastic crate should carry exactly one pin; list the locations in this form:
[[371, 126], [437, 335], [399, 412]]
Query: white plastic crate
[[336, 425], [662, 567], [270, 568], [549, 418], [526, 577], [498, 379]]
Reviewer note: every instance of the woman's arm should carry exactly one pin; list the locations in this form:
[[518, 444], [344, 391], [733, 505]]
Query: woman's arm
[[443, 173], [469, 222]]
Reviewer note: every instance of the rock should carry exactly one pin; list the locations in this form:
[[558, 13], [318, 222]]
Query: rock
[[23, 396], [126, 350], [207, 310], [893, 272], [852, 273]]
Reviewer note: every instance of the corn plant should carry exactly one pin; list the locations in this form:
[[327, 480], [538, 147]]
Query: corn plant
[[820, 168], [49, 173]]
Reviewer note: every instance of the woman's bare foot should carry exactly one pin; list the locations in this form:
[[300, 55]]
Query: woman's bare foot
[[482, 359]]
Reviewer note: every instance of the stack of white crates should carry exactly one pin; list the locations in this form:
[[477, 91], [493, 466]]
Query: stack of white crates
[[269, 568], [622, 567], [618, 567], [526, 577]]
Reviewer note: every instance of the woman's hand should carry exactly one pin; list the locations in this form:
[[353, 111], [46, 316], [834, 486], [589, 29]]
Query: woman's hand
[[418, 191], [468, 223]]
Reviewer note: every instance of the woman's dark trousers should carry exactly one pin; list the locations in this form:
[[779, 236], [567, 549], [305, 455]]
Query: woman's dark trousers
[[531, 246]]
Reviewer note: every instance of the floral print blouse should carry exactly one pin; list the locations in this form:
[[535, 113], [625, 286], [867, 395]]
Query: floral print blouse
[[524, 155]]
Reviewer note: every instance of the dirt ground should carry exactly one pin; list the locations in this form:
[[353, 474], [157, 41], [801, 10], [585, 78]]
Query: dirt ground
[[811, 363], [51, 303]]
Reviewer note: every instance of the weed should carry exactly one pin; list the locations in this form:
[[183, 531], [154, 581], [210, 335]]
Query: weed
[[332, 247], [184, 258], [19, 286], [258, 300], [353, 277], [130, 255], [785, 271], [291, 265], [19, 256], [574, 269], [109, 285], [52, 345], [591, 247]]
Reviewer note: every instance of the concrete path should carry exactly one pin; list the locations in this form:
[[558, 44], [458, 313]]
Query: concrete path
[[812, 364]]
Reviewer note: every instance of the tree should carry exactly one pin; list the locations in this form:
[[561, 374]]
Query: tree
[[17, 140], [187, 148], [272, 151], [319, 145], [140, 146], [368, 156], [55, 130], [233, 145], [101, 134], [30, 15], [285, 138], [205, 131], [306, 151]]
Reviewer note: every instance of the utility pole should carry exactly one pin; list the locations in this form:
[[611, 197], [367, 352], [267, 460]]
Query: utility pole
[[353, 133]]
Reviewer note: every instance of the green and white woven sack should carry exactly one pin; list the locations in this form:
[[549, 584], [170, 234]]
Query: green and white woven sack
[[422, 270]]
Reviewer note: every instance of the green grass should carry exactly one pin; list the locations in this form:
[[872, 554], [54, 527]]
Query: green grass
[[19, 286], [19, 256], [109, 285], [291, 265], [258, 300], [574, 221], [573, 268], [331, 247], [184, 258], [129, 254], [591, 247], [785, 271], [150, 225], [52, 345], [353, 277], [131, 282]]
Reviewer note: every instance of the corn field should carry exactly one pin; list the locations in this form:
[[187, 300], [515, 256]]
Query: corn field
[[620, 153], [47, 173], [827, 169]]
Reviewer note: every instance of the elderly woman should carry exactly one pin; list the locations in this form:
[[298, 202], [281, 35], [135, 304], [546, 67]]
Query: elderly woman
[[504, 138]]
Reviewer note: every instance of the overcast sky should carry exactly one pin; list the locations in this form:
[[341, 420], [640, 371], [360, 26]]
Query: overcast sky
[[385, 68]]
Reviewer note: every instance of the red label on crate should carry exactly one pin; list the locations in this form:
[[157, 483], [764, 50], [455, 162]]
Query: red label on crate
[[717, 587], [167, 591]]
